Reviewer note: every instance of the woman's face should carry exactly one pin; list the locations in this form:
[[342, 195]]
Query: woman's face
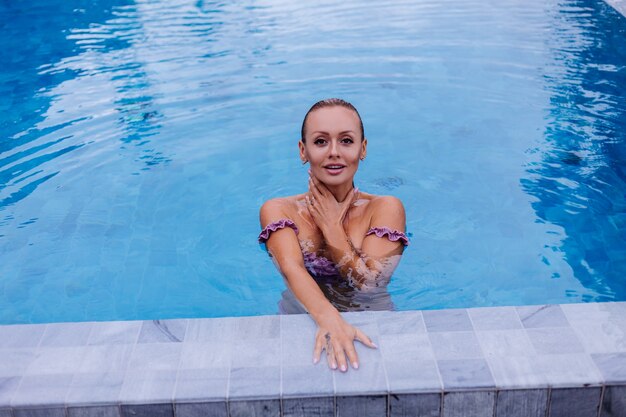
[[333, 144]]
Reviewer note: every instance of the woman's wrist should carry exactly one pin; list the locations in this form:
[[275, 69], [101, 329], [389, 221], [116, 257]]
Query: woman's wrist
[[324, 314]]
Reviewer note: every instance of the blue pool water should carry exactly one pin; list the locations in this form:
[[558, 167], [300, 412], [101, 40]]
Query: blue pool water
[[138, 140]]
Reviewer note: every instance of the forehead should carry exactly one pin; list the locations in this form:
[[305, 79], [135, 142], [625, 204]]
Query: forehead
[[333, 119]]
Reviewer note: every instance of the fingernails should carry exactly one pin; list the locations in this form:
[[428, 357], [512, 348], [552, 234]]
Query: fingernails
[[333, 366], [375, 345], [355, 365], [315, 361], [344, 368]]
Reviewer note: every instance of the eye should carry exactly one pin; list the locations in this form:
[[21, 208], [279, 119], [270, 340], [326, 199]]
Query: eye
[[347, 140], [319, 141]]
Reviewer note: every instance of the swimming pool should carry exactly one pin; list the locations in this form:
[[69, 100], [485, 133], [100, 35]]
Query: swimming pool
[[138, 140]]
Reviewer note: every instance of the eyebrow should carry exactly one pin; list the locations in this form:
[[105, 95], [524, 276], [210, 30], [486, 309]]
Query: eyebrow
[[326, 133]]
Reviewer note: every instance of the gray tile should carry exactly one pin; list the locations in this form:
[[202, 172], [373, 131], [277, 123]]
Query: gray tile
[[447, 320], [410, 405], [505, 343], [307, 381], [612, 366], [455, 345], [584, 313], [298, 349], [614, 402], [211, 330], [8, 386], [106, 358], [114, 333], [260, 352], [63, 360], [369, 379], [309, 407], [5, 412], [470, 403], [575, 402], [413, 376], [201, 384], [362, 406], [206, 355], [39, 412], [517, 372], [147, 410], [601, 337], [66, 334], [99, 411], [406, 347], [254, 383], [556, 340], [259, 327], [400, 322], [495, 318], [148, 387], [254, 408], [297, 325], [205, 409], [365, 321], [569, 370], [155, 356], [522, 403], [595, 313], [21, 335], [616, 309], [15, 361], [465, 374], [39, 390], [542, 316], [95, 388], [163, 331]]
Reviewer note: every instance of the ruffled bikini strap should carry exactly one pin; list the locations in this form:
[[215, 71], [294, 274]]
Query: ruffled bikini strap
[[274, 226], [393, 235]]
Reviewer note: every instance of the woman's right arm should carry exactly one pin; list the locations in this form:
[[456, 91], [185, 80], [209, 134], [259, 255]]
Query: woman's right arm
[[334, 334]]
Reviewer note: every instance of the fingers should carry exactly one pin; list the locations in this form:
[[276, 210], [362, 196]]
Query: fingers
[[314, 189], [352, 355], [317, 186], [363, 338], [317, 350]]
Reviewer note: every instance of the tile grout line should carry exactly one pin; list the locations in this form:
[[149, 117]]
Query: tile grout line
[[180, 359], [604, 388]]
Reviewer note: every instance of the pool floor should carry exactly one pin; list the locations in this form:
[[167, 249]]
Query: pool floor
[[551, 360]]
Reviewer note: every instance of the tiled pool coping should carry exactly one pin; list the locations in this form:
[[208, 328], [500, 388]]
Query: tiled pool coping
[[619, 5], [555, 360]]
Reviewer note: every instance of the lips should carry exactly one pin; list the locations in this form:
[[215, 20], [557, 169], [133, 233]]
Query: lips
[[334, 169]]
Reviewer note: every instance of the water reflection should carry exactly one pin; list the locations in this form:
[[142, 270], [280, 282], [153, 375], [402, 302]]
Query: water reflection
[[580, 177]]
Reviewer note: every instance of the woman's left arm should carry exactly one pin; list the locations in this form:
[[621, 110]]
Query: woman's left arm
[[378, 257]]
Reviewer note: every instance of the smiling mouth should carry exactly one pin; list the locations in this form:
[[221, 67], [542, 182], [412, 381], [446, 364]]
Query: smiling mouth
[[334, 169]]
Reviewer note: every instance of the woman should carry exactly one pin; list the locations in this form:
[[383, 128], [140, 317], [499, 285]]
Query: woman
[[334, 231]]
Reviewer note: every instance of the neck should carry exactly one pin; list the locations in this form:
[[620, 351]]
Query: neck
[[341, 191]]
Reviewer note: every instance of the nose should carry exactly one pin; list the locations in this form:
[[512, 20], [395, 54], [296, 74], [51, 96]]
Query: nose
[[334, 148]]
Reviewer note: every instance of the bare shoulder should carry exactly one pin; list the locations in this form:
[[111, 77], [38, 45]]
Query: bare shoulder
[[387, 211], [277, 208], [387, 203]]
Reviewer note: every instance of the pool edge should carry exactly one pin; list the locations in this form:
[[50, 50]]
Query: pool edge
[[550, 358]]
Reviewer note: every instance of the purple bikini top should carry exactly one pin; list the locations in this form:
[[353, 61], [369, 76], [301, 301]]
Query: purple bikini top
[[320, 266]]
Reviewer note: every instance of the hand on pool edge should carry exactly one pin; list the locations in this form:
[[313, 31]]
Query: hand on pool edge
[[337, 337]]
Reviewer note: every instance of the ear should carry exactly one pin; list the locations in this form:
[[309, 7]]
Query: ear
[[303, 156], [364, 148]]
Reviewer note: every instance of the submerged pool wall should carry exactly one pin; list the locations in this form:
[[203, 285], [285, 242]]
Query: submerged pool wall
[[551, 360]]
